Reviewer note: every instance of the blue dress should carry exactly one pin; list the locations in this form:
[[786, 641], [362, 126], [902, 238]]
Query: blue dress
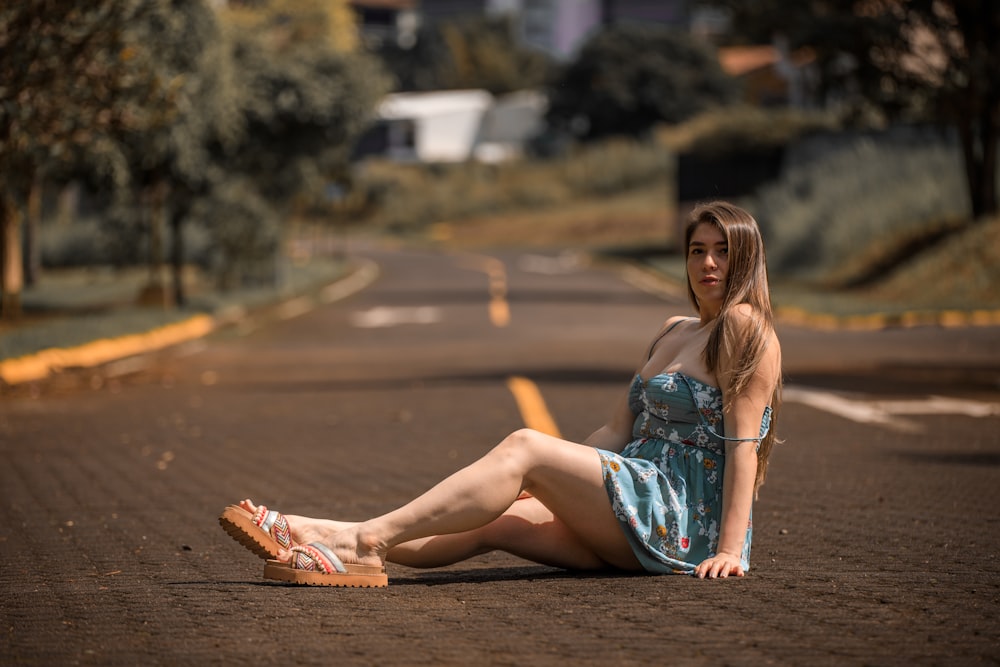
[[666, 485]]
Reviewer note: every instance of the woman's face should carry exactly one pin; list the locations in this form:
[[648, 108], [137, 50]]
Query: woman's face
[[708, 266]]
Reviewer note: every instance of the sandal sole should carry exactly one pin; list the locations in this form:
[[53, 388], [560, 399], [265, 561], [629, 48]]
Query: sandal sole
[[239, 524], [357, 576]]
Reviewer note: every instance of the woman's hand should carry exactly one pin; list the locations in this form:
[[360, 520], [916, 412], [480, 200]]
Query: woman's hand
[[720, 565]]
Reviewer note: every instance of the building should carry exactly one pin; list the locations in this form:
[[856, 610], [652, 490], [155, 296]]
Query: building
[[439, 126], [557, 27], [381, 21], [453, 126], [771, 75]]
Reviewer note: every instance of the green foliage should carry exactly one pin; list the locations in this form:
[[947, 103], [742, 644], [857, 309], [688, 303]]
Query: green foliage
[[244, 232], [304, 106], [330, 23], [407, 197], [68, 89], [74, 245], [740, 128], [631, 77], [962, 271], [69, 85], [613, 166], [936, 60], [847, 202], [479, 52], [182, 51], [118, 238]]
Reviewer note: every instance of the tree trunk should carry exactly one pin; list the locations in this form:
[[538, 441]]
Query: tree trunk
[[13, 272], [991, 136], [32, 221], [155, 292], [979, 138], [177, 255], [67, 204], [978, 114]]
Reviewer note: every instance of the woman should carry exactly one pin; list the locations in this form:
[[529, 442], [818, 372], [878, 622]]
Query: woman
[[666, 485]]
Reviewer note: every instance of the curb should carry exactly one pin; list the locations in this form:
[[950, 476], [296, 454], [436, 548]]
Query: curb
[[948, 319], [40, 365], [655, 282]]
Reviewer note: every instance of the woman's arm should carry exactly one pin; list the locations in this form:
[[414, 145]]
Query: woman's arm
[[737, 498], [743, 414], [617, 432]]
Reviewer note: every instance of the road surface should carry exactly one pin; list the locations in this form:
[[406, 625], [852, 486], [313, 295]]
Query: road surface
[[876, 538]]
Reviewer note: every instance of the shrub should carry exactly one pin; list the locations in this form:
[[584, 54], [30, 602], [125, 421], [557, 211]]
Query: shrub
[[629, 77], [78, 244], [616, 166], [846, 200], [743, 129], [245, 237], [963, 271], [410, 196]]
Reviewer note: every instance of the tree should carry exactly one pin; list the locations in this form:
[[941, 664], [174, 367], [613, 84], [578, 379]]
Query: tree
[[936, 60], [182, 50], [303, 108], [158, 100], [472, 52], [304, 102], [630, 77], [68, 85]]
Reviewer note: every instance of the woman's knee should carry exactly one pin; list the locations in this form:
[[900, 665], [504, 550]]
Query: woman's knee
[[529, 438], [521, 445]]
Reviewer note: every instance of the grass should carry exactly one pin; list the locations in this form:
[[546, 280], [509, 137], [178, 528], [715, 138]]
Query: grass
[[71, 307], [644, 217]]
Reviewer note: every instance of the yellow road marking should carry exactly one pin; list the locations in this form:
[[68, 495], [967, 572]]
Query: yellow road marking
[[499, 308], [532, 406], [499, 313]]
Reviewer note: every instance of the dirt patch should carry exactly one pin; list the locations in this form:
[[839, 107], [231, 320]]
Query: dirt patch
[[635, 219]]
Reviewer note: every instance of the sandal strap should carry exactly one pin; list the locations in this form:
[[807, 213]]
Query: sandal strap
[[274, 524], [316, 557]]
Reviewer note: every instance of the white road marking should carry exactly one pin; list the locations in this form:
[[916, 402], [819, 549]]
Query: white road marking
[[885, 413], [384, 316], [566, 262]]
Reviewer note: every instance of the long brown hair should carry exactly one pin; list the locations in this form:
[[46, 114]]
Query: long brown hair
[[746, 282]]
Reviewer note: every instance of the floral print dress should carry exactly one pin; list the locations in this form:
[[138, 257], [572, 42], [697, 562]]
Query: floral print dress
[[666, 485]]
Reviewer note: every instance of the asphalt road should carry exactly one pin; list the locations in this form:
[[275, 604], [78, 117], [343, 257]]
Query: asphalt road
[[876, 538]]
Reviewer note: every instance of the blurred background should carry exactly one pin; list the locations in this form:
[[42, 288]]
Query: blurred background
[[160, 154]]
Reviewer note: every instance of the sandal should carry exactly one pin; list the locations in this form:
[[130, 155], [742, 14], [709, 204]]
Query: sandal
[[264, 532], [315, 565]]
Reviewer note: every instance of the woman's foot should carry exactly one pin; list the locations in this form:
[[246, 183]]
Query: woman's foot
[[341, 537], [302, 528]]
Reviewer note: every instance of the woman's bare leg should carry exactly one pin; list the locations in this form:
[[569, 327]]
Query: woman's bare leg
[[527, 529], [564, 477]]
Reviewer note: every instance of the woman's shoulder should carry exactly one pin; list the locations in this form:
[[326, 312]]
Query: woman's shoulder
[[744, 315], [748, 322], [669, 325], [674, 322]]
